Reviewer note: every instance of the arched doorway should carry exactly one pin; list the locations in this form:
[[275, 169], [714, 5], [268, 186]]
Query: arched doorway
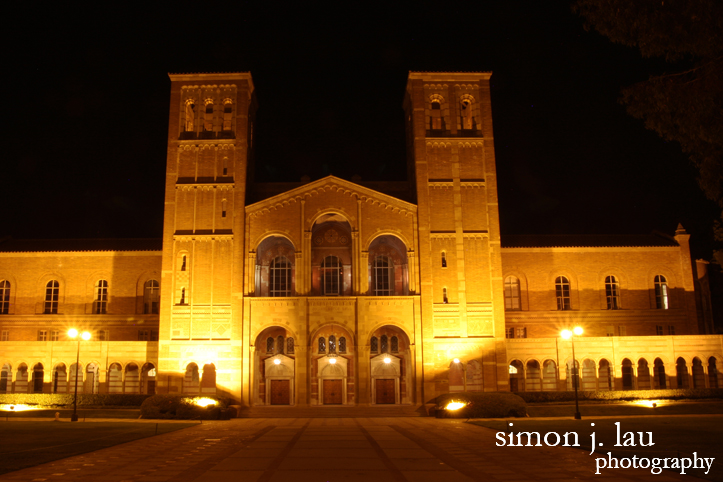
[[698, 373], [148, 379], [385, 370], [21, 379], [713, 373], [332, 380], [628, 377], [643, 375], [115, 378], [91, 378], [391, 340], [605, 375], [549, 376], [517, 376], [6, 379], [191, 379], [60, 379], [681, 373], [132, 379], [589, 378], [38, 375], [659, 374], [532, 376], [208, 379], [279, 380], [274, 367]]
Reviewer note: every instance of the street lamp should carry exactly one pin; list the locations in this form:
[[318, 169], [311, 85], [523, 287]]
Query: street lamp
[[73, 333], [464, 372], [570, 335]]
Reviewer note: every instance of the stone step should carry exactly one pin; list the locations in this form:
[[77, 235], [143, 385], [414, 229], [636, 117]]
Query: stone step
[[333, 412]]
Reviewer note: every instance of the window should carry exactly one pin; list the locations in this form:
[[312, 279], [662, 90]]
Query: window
[[332, 344], [143, 335], [289, 346], [512, 293], [52, 291], [671, 330], [225, 166], [208, 124], [223, 208], [190, 115], [612, 292], [466, 112], [5, 335], [227, 111], [342, 344], [322, 345], [521, 333], [383, 276], [54, 335], [151, 297], [280, 344], [183, 262], [444, 259], [562, 292], [182, 301], [374, 345], [103, 335], [100, 305], [622, 330], [4, 297], [331, 276], [659, 330], [444, 296], [661, 293], [610, 330], [270, 345], [42, 335], [154, 335], [509, 332], [280, 277], [395, 344], [385, 344]]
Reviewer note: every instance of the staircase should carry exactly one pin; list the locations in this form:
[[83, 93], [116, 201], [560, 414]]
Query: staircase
[[333, 411]]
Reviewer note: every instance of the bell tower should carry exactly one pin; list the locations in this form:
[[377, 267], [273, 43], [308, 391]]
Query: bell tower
[[451, 158], [210, 145]]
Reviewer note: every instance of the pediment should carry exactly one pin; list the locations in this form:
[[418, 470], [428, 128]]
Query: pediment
[[331, 184]]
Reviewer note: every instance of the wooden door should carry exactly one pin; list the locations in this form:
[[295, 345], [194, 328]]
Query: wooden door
[[332, 392], [280, 392], [385, 390]]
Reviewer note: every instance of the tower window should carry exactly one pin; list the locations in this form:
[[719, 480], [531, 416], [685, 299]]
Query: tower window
[[512, 293], [562, 293], [100, 304], [182, 301], [208, 120], [661, 292], [225, 166], [227, 112], [612, 292], [190, 116], [444, 296], [223, 208], [151, 297], [4, 297], [52, 291], [183, 262], [444, 259], [270, 345]]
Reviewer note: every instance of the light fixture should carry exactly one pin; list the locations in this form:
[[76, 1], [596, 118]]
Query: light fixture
[[568, 335], [456, 360], [277, 361], [387, 360], [332, 360], [73, 333]]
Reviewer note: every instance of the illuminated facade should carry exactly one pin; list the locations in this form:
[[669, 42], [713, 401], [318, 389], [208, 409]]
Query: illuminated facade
[[335, 292]]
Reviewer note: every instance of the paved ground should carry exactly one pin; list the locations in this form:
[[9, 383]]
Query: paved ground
[[341, 449]]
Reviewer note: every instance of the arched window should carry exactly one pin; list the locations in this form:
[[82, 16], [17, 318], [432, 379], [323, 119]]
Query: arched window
[[183, 262], [4, 297], [512, 293], [661, 292], [627, 371], [681, 373], [342, 344], [227, 112], [395, 344], [322, 345], [208, 117], [444, 259], [100, 304], [562, 292], [385, 344], [280, 344], [280, 277], [151, 297], [270, 344], [225, 166], [436, 118], [223, 208], [52, 293], [182, 301], [331, 276], [374, 345], [190, 115], [466, 113], [712, 372], [332, 344], [612, 292], [383, 276], [444, 296], [289, 346], [659, 374]]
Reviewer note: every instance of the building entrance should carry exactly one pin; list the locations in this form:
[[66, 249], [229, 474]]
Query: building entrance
[[332, 392], [280, 392], [385, 390]]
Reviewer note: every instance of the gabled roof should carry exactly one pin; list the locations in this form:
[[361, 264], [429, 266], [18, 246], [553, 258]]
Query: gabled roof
[[330, 183], [586, 240], [10, 245]]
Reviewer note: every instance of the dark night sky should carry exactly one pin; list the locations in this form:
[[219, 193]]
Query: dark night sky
[[86, 96]]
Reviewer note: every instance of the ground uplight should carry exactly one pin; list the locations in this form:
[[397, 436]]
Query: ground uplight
[[203, 402], [19, 407], [454, 405]]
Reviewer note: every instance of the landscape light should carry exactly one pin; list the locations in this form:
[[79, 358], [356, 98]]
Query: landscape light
[[454, 405]]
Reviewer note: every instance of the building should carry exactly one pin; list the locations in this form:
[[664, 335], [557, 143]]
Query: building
[[334, 292]]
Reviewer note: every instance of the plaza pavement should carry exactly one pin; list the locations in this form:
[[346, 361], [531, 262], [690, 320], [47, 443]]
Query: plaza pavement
[[329, 449]]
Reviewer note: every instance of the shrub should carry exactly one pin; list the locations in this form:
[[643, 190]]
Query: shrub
[[485, 404], [181, 407], [66, 399], [620, 395]]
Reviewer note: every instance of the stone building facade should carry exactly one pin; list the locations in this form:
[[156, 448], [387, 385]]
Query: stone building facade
[[335, 292]]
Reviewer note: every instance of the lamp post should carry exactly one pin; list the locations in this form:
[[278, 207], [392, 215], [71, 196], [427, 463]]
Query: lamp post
[[73, 333], [464, 372], [570, 335]]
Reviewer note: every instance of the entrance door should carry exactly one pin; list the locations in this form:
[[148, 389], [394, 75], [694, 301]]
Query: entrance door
[[385, 390], [280, 392], [332, 392], [151, 390]]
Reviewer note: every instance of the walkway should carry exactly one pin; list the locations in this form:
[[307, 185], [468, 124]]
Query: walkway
[[339, 449]]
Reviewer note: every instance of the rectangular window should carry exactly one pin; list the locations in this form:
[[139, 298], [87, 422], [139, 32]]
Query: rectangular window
[[610, 330], [671, 330], [142, 335], [103, 335], [659, 330], [6, 335], [54, 335], [622, 330], [509, 332], [521, 333], [154, 335], [42, 335]]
